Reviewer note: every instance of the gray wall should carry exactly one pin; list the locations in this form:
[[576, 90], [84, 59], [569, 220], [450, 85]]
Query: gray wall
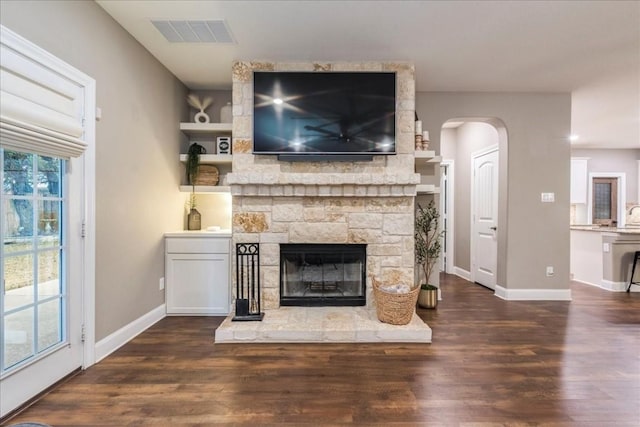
[[536, 159], [466, 139], [137, 143], [625, 161]]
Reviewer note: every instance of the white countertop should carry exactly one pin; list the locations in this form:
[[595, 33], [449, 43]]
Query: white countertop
[[620, 230], [199, 233]]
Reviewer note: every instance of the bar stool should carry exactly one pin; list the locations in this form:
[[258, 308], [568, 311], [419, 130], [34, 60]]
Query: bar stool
[[633, 270]]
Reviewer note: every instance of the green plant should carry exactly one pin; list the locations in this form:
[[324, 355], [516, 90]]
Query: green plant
[[427, 239], [193, 161], [192, 203]]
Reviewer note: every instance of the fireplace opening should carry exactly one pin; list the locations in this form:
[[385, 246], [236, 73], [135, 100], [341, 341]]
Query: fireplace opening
[[322, 275]]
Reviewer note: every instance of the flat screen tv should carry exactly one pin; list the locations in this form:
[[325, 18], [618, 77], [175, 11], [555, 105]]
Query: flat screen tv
[[339, 114]]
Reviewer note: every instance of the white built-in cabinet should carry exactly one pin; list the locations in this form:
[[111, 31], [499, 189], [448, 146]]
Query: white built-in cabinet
[[197, 273], [579, 180]]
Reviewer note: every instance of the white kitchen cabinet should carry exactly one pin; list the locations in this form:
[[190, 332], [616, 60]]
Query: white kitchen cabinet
[[197, 273], [578, 180]]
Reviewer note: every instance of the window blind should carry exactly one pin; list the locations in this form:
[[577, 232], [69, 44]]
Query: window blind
[[41, 106]]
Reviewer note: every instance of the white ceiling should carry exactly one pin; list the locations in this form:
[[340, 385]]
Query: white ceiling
[[589, 48]]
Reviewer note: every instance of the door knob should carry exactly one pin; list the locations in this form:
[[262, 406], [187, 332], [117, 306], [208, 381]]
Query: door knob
[[493, 228]]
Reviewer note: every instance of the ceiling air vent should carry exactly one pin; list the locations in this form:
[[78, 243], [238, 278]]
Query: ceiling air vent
[[194, 31]]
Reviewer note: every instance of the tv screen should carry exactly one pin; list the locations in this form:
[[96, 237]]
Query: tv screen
[[317, 113]]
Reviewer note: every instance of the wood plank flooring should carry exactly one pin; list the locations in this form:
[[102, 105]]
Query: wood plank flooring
[[491, 363]]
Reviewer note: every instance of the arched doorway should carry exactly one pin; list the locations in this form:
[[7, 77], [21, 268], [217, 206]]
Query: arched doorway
[[473, 198]]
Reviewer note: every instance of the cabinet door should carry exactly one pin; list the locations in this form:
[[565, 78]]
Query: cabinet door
[[578, 181], [198, 284]]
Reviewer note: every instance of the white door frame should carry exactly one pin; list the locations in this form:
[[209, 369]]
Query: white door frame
[[450, 214], [83, 233], [472, 239], [622, 195], [89, 249]]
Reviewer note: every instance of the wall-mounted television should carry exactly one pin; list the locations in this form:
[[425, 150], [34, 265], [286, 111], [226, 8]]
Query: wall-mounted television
[[343, 115]]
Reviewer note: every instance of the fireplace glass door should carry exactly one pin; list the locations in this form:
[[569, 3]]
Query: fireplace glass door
[[322, 275]]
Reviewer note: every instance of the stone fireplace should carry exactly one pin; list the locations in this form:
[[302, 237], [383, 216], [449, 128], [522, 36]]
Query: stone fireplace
[[348, 203]]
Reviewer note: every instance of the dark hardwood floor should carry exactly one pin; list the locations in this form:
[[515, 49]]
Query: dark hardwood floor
[[491, 363]]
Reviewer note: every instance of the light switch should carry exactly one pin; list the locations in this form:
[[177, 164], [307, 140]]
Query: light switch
[[605, 247], [548, 197]]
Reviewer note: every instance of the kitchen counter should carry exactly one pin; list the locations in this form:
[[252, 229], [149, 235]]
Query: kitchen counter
[[602, 256], [620, 230]]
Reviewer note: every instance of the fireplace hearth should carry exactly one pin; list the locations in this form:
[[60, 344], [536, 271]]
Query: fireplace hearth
[[322, 275]]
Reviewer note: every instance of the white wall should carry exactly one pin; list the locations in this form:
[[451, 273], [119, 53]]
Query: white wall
[[137, 146], [448, 144], [535, 160], [624, 161]]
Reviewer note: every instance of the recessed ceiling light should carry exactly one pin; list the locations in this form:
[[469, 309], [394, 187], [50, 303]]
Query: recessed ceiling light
[[574, 138]]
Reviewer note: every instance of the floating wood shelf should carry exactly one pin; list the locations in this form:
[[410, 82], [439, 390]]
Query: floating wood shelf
[[208, 189], [427, 189], [205, 128], [422, 157], [211, 159]]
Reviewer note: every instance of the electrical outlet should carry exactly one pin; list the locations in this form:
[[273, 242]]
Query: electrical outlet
[[549, 271], [547, 197], [605, 247], [161, 283]]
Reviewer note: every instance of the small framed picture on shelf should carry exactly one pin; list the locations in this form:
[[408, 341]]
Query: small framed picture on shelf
[[223, 145]]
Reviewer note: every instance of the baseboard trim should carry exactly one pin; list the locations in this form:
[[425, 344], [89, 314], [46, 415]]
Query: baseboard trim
[[586, 283], [610, 286], [618, 286], [111, 343], [464, 274], [533, 294]]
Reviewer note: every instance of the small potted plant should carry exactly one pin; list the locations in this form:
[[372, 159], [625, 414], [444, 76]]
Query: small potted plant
[[193, 217], [193, 162], [427, 248]]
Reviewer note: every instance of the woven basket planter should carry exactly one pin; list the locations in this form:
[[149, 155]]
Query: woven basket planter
[[393, 308]]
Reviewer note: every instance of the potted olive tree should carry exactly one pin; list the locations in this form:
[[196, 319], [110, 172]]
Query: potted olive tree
[[427, 248]]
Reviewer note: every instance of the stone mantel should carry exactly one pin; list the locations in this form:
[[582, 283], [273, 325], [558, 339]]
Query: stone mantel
[[327, 184]]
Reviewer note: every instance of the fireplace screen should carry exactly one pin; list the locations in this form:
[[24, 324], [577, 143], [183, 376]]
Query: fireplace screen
[[322, 275]]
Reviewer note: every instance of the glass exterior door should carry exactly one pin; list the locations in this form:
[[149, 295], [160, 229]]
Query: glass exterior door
[[34, 298]]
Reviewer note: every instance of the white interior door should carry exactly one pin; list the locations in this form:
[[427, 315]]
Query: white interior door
[[484, 241]]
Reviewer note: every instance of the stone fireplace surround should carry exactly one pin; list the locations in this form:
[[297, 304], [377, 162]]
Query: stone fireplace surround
[[370, 203]]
